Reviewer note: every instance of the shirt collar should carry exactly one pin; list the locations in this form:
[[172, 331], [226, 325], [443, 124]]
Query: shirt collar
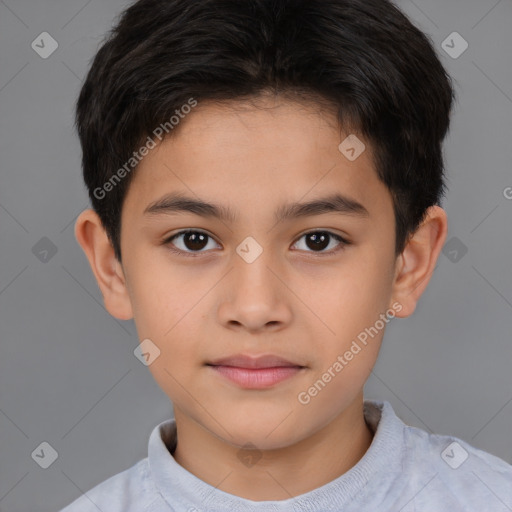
[[379, 464]]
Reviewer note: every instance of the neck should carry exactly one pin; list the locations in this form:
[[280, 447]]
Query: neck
[[279, 474]]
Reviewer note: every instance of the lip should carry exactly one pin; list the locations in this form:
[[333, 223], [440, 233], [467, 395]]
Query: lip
[[253, 362], [255, 372]]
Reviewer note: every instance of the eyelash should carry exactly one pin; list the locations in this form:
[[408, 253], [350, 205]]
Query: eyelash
[[194, 254]]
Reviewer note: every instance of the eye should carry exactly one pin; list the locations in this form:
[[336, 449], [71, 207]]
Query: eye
[[192, 241], [319, 240]]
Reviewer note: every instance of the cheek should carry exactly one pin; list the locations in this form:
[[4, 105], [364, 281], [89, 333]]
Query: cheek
[[162, 298], [355, 297], [168, 303], [172, 331], [351, 307]]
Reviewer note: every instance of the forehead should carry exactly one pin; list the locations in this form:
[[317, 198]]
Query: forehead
[[251, 155]]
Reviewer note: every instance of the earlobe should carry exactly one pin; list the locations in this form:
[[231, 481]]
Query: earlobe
[[417, 262], [107, 270]]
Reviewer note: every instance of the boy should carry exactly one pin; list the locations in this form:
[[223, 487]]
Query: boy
[[266, 178]]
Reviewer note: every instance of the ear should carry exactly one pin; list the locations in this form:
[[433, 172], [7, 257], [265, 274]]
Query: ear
[[107, 270], [417, 262]]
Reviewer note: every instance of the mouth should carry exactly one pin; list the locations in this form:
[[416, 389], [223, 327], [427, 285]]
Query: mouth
[[255, 372]]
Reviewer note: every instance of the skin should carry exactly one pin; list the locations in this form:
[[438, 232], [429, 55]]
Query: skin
[[299, 303]]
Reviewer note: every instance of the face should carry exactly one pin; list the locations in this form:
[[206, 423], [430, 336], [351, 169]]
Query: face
[[303, 288]]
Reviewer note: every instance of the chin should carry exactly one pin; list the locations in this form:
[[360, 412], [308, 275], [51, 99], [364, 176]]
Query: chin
[[265, 431]]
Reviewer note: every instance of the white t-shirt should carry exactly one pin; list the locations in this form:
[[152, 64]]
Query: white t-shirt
[[405, 469]]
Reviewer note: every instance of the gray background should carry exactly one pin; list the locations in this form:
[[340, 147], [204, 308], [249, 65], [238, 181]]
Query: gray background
[[68, 375]]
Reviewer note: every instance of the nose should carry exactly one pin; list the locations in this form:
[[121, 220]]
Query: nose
[[255, 297]]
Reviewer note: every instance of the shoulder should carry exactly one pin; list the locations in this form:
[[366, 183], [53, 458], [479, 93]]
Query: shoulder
[[450, 468], [422, 471], [127, 491]]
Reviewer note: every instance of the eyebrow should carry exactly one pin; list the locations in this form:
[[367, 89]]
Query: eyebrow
[[180, 203]]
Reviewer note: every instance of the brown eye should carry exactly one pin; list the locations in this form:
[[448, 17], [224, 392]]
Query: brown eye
[[189, 242], [194, 241], [318, 241]]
